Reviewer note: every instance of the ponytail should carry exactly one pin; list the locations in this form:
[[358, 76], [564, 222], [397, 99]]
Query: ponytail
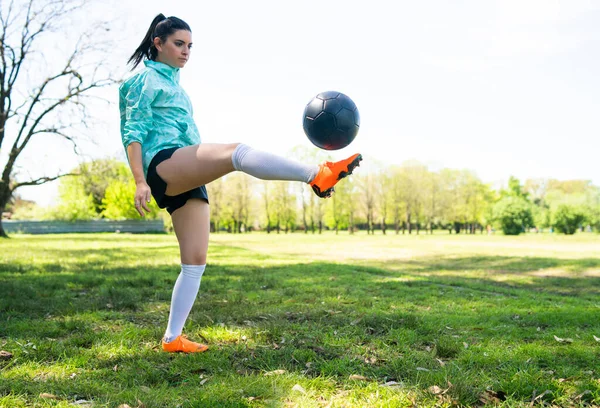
[[160, 27]]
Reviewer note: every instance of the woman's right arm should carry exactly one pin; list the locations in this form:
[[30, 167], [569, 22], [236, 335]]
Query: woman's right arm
[[142, 189], [136, 116]]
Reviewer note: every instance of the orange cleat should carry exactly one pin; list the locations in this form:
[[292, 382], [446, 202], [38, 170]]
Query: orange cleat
[[330, 173], [183, 345]]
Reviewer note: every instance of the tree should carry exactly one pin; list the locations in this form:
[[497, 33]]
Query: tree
[[396, 195], [366, 184], [215, 191], [567, 218], [118, 202], [56, 106], [513, 214], [239, 196], [74, 202]]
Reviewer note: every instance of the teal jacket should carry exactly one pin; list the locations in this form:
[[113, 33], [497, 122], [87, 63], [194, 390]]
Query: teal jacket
[[156, 111]]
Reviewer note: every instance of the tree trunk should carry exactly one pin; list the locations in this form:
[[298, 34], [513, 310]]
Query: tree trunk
[[4, 197], [383, 226]]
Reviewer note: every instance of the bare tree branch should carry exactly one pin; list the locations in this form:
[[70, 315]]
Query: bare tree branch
[[38, 181], [42, 110]]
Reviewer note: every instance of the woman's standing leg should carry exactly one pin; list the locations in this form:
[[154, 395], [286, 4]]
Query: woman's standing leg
[[192, 226]]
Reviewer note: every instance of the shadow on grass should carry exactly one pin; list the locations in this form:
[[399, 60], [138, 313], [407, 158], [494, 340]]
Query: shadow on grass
[[315, 320]]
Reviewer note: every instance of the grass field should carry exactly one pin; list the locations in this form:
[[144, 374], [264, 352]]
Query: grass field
[[304, 321]]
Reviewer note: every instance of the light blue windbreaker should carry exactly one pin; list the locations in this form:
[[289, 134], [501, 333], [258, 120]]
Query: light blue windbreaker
[[156, 111]]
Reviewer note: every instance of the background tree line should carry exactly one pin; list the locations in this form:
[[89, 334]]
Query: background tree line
[[399, 199]]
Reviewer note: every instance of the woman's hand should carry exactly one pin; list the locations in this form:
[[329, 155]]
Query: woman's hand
[[142, 197]]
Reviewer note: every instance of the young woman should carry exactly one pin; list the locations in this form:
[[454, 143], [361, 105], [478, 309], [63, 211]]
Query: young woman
[[168, 161]]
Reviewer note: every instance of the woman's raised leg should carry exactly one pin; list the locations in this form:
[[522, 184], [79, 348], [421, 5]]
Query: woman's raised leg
[[193, 166]]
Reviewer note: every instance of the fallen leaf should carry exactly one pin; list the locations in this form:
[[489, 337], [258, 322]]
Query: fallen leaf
[[441, 362], [492, 396], [465, 345], [203, 381], [393, 384], [141, 404], [582, 394], [5, 355], [116, 367], [422, 369], [566, 340], [145, 389], [358, 377], [435, 390], [596, 338], [539, 396], [123, 406], [49, 396], [298, 388], [275, 372]]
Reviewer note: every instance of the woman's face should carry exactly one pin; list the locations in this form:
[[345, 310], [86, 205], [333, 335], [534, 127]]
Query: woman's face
[[176, 50]]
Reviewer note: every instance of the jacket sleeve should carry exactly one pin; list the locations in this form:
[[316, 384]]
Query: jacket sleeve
[[136, 110]]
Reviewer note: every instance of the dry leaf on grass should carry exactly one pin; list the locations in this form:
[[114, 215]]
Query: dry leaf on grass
[[275, 372], [49, 396], [582, 394], [566, 340], [534, 398], [435, 390], [492, 396], [298, 388], [596, 338], [393, 384], [5, 355], [358, 377]]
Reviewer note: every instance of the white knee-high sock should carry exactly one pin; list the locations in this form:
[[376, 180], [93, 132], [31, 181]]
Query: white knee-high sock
[[267, 166], [184, 294]]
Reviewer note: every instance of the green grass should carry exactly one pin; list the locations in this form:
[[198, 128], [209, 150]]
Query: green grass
[[353, 321]]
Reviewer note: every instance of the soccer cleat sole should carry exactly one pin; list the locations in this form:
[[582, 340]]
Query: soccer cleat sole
[[353, 164], [327, 193]]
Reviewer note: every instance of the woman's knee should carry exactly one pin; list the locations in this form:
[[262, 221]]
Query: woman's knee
[[193, 258]]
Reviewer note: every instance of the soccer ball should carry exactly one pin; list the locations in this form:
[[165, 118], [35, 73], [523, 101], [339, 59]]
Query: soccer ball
[[331, 120]]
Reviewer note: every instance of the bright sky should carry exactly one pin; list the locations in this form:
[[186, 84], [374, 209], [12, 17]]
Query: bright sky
[[499, 87]]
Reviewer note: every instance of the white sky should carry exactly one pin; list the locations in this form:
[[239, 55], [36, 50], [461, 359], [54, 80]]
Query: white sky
[[500, 87]]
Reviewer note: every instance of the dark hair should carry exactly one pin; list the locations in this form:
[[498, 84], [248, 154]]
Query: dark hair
[[161, 27]]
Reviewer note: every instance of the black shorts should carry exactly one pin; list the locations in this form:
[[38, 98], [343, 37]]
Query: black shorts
[[158, 185]]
